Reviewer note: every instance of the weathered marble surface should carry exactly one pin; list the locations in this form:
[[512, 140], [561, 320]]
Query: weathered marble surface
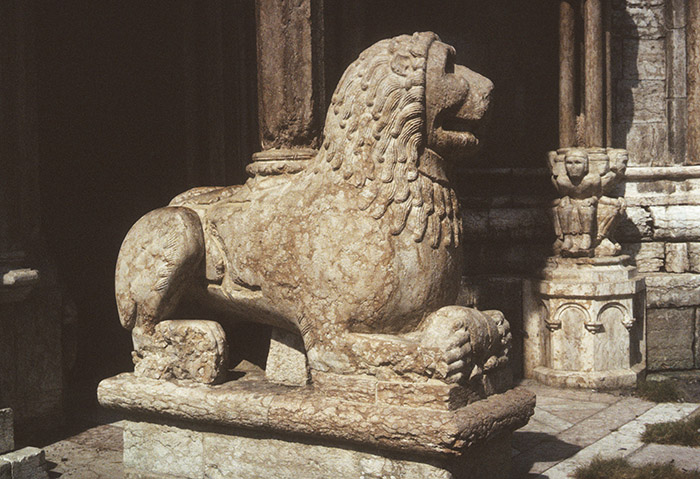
[[171, 449], [184, 349], [321, 413]]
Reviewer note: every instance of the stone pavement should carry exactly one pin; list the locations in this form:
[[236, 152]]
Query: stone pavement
[[569, 428], [95, 453]]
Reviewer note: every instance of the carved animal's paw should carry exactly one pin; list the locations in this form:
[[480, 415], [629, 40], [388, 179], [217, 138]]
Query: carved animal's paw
[[500, 351], [446, 330]]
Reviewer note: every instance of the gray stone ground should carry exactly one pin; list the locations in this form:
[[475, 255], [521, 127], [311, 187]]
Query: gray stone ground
[[95, 453], [569, 428]]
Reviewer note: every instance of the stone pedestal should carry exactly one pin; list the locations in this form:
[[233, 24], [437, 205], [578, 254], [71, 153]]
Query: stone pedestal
[[584, 323], [251, 428]]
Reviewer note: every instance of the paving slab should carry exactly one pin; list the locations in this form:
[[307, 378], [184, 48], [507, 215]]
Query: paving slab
[[682, 457], [610, 419], [95, 453]]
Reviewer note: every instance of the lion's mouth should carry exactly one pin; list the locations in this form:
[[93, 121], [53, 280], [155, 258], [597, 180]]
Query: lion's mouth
[[460, 125], [458, 134]]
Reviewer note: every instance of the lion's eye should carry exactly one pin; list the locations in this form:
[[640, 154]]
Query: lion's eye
[[450, 61]]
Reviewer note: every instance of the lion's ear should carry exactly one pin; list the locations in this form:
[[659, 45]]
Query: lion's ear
[[401, 64]]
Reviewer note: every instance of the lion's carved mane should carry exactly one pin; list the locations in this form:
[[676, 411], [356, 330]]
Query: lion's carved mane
[[374, 136]]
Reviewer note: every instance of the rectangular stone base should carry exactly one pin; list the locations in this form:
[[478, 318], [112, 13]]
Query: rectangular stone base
[[250, 428], [174, 450]]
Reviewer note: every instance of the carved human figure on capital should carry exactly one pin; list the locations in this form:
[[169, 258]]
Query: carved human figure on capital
[[584, 214], [359, 253]]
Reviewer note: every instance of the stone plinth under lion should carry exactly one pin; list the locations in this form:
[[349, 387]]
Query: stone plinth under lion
[[353, 257]]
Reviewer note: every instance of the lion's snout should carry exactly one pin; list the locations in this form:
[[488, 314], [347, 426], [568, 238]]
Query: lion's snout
[[476, 105]]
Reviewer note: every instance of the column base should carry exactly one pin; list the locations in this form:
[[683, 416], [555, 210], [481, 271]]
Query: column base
[[584, 322], [613, 379]]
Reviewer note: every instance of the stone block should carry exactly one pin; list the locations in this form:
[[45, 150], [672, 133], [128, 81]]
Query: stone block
[[349, 388], [519, 223], [641, 19], [646, 142], [506, 257], [675, 13], [7, 438], [431, 395], [523, 224], [670, 337], [696, 342], [286, 360], [622, 4], [649, 257], [644, 59], [26, 463], [682, 457], [640, 101], [677, 258], [676, 222], [694, 257], [252, 457], [677, 68], [677, 121], [475, 223], [669, 290], [5, 470], [635, 225]]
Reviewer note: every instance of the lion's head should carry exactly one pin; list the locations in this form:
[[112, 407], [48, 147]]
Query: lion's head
[[400, 112]]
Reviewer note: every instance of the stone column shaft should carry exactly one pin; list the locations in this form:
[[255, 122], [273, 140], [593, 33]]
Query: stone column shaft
[[567, 97], [693, 83], [608, 118], [594, 68], [290, 73]]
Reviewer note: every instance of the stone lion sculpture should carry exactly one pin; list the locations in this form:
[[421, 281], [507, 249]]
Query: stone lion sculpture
[[359, 253]]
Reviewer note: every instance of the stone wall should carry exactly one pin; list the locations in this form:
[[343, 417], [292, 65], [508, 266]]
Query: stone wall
[[507, 225], [662, 230], [33, 326]]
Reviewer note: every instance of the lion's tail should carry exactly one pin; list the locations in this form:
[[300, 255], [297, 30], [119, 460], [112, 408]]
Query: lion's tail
[[156, 264]]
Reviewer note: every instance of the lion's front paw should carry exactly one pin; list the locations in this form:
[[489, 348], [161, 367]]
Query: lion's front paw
[[446, 330]]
